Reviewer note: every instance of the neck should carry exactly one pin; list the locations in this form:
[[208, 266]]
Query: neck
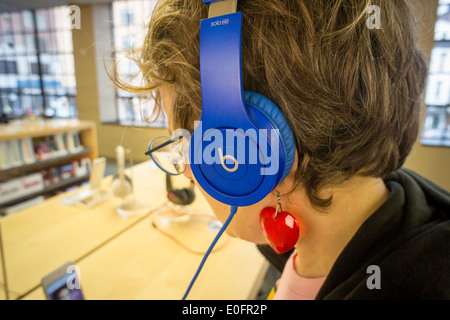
[[323, 236]]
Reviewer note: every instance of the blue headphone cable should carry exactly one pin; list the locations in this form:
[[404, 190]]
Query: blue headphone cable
[[233, 211]]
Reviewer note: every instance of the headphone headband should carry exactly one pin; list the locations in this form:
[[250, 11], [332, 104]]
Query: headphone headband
[[221, 7], [221, 71]]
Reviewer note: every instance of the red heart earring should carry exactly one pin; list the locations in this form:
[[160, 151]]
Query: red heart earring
[[280, 228]]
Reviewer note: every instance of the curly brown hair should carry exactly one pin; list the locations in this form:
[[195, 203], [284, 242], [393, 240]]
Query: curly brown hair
[[350, 94]]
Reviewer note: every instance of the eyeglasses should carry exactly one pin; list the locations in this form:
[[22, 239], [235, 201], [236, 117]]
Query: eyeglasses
[[170, 154]]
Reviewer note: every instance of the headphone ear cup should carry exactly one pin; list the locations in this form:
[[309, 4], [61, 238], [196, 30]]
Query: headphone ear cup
[[190, 196], [248, 182], [255, 101], [174, 196], [182, 197]]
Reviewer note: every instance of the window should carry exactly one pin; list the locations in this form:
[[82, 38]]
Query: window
[[127, 16], [37, 74], [130, 20], [436, 129]]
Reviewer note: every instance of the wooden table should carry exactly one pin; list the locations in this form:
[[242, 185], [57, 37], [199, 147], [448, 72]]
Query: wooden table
[[127, 259]]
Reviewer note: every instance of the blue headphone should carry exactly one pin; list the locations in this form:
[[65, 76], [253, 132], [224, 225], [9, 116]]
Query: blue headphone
[[217, 163]]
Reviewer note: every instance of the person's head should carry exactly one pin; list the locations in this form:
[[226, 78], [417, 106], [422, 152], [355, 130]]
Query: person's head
[[351, 94]]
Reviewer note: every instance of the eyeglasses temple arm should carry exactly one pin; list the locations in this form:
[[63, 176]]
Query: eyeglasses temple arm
[[167, 143]]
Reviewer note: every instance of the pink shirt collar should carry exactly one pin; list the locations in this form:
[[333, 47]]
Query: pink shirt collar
[[292, 286]]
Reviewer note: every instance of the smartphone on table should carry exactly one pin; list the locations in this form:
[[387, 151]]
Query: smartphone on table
[[63, 283]]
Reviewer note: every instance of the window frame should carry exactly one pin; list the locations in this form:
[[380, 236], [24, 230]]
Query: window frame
[[142, 102], [31, 58]]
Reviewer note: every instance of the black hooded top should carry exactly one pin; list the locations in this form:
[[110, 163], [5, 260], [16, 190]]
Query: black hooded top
[[408, 238]]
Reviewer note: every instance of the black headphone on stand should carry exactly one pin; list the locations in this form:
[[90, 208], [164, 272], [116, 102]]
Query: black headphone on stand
[[182, 197]]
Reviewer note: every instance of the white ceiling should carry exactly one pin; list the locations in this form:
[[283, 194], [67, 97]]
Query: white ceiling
[[14, 5]]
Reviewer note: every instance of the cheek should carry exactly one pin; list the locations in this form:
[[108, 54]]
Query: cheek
[[245, 224]]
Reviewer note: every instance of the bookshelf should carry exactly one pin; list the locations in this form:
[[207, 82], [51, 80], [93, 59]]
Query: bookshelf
[[41, 158]]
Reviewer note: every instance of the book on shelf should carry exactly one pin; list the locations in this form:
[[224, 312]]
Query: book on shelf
[[42, 151], [16, 153], [51, 144], [22, 205], [5, 155], [20, 187], [46, 177], [84, 168], [27, 151], [70, 142], [55, 175], [78, 144], [67, 171], [60, 142], [73, 142]]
